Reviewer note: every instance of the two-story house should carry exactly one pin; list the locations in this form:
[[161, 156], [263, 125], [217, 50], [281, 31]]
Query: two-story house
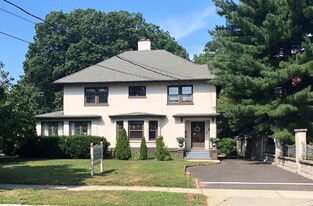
[[147, 92]]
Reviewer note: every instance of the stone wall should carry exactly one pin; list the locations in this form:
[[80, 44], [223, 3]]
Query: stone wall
[[296, 165]]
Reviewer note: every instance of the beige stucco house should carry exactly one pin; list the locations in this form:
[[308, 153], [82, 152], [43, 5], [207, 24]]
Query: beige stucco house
[[147, 92]]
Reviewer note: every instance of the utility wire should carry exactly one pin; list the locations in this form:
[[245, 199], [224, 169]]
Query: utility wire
[[153, 69], [122, 72], [30, 14], [20, 17], [20, 8], [137, 64], [14, 37], [41, 19]]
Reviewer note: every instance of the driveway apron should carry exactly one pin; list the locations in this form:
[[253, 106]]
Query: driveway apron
[[247, 174]]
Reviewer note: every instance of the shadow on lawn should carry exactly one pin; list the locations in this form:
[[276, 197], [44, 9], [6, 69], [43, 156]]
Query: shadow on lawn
[[19, 172]]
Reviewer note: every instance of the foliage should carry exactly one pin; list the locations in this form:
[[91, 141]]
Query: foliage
[[263, 61], [16, 119], [42, 147], [80, 39], [77, 146], [122, 149], [180, 140], [227, 146], [161, 152], [143, 149]]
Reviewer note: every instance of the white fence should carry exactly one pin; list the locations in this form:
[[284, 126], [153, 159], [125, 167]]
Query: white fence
[[96, 155]]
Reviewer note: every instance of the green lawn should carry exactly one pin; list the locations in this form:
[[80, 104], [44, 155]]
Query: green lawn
[[76, 172], [58, 197]]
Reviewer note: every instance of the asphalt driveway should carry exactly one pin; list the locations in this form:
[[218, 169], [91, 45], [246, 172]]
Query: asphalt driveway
[[247, 174]]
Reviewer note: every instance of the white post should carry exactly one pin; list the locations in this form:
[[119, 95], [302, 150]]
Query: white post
[[92, 160], [300, 139], [101, 159], [278, 150]]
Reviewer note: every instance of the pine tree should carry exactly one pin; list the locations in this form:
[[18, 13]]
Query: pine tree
[[143, 149], [161, 151], [122, 149], [264, 65]]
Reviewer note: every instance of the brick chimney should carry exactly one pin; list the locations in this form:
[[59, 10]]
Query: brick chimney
[[144, 44]]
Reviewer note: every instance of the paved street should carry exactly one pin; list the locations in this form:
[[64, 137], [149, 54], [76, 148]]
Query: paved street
[[247, 174]]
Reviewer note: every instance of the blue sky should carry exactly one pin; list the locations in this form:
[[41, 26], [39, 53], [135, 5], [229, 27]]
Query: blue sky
[[188, 21]]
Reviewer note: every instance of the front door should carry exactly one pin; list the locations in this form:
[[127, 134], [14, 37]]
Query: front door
[[197, 135]]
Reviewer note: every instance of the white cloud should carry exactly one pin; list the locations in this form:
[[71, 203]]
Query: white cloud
[[182, 26]]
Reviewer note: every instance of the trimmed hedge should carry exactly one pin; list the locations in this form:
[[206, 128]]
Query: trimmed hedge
[[77, 146]]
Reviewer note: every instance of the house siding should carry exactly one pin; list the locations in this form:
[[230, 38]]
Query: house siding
[[155, 102]]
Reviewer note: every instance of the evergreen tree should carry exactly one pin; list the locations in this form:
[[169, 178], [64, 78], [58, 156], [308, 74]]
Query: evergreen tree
[[264, 65], [143, 149], [122, 149], [161, 151]]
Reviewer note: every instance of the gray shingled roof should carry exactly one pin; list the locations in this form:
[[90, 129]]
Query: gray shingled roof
[[60, 115], [138, 66], [136, 115]]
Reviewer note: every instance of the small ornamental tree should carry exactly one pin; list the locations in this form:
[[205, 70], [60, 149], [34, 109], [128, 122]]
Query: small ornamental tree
[[161, 152], [143, 149], [122, 149]]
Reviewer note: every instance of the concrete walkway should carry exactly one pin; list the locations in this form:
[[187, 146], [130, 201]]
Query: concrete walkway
[[221, 197]]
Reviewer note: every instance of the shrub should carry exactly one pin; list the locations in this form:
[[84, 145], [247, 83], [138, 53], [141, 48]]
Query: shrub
[[60, 146], [161, 152], [41, 147], [143, 149], [227, 146], [78, 146], [122, 149]]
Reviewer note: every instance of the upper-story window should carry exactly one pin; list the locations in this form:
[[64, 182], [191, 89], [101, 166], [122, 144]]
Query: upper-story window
[[96, 96], [137, 91], [180, 94]]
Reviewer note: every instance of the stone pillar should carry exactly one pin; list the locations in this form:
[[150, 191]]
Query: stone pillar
[[300, 139], [278, 150]]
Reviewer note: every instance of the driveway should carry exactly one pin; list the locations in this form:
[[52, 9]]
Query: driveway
[[247, 174]]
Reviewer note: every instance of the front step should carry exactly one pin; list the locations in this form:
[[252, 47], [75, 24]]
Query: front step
[[198, 154]]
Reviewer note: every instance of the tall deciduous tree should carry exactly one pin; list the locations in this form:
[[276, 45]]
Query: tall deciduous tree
[[69, 42], [264, 64], [16, 120]]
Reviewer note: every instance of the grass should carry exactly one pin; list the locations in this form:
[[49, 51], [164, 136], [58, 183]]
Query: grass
[[57, 197], [76, 172]]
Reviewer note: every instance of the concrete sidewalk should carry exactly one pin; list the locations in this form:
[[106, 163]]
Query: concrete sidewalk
[[221, 197]]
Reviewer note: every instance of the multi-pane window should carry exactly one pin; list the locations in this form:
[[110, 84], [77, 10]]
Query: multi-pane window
[[51, 128], [153, 130], [137, 91], [80, 128], [135, 129], [180, 94], [95, 96], [119, 126]]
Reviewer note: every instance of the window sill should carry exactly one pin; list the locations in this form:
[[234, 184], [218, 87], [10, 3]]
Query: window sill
[[182, 103], [135, 140], [139, 141], [137, 97], [96, 105]]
